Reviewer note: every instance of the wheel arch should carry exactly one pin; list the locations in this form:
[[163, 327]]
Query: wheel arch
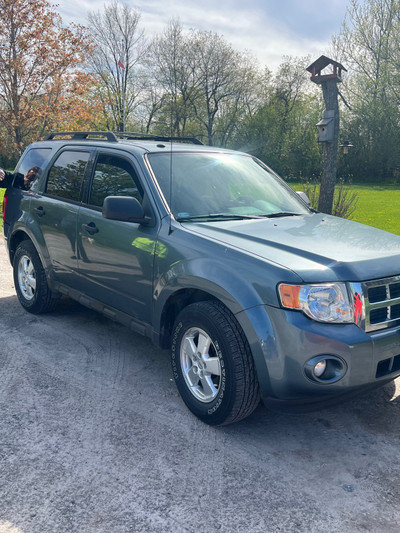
[[173, 306], [15, 240], [21, 234]]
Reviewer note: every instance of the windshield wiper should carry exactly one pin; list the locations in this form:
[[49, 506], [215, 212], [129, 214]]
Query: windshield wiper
[[283, 214], [217, 216]]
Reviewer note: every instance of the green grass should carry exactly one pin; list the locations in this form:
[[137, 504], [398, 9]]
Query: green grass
[[2, 191], [377, 206]]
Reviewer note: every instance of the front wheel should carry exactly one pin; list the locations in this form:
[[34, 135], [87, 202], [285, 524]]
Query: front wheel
[[212, 364], [30, 280]]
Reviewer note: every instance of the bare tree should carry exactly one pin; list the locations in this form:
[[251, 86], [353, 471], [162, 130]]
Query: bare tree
[[207, 84], [289, 86], [246, 97], [170, 65], [118, 38], [215, 75]]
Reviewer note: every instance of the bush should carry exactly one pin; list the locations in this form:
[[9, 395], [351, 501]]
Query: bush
[[344, 202]]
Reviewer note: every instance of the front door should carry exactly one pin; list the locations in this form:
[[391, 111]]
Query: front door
[[116, 258]]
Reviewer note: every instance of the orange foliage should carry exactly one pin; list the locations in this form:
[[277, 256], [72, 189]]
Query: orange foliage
[[41, 86]]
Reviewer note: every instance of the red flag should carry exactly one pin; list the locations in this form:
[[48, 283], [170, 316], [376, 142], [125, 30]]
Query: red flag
[[121, 60]]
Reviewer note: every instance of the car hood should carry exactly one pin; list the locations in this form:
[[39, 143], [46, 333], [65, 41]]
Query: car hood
[[317, 247]]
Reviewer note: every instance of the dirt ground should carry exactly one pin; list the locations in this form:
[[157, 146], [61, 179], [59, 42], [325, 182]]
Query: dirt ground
[[95, 439]]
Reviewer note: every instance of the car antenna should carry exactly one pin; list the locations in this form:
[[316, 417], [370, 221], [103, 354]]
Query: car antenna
[[170, 175]]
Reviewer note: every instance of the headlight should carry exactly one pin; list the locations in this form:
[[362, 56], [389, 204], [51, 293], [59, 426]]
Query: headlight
[[327, 302]]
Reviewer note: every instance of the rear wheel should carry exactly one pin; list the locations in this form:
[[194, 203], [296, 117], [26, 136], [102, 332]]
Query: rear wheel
[[30, 280], [212, 364]]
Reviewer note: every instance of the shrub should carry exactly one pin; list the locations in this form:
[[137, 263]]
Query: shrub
[[344, 202]]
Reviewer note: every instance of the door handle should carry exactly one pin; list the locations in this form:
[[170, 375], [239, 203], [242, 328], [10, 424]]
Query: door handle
[[39, 211], [90, 228]]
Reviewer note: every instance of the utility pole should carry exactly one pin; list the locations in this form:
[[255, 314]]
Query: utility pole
[[328, 127]]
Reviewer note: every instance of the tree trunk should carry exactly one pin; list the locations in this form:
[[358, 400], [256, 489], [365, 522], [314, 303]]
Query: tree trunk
[[327, 190]]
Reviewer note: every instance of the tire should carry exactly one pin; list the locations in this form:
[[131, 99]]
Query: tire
[[212, 364], [30, 280]]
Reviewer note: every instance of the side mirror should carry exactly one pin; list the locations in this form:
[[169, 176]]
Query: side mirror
[[123, 208], [304, 197]]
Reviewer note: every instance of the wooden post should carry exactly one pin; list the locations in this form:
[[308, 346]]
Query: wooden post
[[328, 180], [328, 82]]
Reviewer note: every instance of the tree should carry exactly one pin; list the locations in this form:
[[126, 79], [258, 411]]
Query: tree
[[37, 61], [214, 63], [207, 84], [368, 46], [117, 37], [170, 65], [281, 128]]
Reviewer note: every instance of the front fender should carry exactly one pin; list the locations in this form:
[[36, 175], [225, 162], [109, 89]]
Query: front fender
[[185, 259]]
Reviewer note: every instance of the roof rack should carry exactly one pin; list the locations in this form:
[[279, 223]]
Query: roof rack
[[110, 136], [130, 136], [83, 135]]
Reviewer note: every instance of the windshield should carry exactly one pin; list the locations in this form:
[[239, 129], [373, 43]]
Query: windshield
[[214, 185]]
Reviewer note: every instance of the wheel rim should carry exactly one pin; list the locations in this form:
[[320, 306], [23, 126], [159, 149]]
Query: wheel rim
[[26, 277], [200, 365]]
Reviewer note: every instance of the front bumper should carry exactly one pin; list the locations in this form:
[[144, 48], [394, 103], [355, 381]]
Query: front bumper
[[282, 342]]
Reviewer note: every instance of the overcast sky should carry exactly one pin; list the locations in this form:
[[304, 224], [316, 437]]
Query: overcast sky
[[269, 29]]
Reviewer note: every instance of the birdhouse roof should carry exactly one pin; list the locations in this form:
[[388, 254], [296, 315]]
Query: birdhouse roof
[[323, 62]]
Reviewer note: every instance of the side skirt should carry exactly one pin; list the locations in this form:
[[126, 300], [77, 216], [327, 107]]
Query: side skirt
[[108, 311]]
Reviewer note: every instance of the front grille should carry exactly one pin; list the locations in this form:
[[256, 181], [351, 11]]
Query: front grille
[[382, 303], [388, 366]]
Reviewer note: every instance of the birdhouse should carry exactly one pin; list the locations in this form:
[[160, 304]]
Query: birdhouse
[[326, 127], [324, 69]]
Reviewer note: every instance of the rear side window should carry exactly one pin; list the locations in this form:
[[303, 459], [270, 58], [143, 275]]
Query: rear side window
[[31, 165], [67, 174], [36, 157], [114, 176]]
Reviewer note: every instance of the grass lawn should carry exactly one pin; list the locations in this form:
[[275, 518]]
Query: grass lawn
[[377, 206], [2, 191]]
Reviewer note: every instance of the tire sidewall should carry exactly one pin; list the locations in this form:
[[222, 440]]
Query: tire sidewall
[[25, 250], [217, 410]]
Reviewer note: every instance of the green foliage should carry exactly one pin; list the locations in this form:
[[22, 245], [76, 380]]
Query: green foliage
[[344, 202], [281, 131], [2, 191], [368, 47]]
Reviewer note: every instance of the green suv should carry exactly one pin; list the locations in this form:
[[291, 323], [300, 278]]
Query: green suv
[[208, 252]]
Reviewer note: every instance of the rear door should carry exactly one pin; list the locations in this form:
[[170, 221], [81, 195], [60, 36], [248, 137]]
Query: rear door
[[116, 258], [55, 213], [19, 194]]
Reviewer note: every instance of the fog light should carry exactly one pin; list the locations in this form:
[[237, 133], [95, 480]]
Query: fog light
[[320, 368], [325, 368]]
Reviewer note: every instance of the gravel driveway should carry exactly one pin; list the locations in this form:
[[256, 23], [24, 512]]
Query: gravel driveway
[[95, 439]]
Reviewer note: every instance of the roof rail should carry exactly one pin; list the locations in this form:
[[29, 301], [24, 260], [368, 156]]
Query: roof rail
[[113, 137], [82, 135], [150, 137]]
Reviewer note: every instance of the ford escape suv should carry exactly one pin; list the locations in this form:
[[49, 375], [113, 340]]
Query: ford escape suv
[[208, 252]]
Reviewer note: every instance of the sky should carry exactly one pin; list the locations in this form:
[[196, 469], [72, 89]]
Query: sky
[[269, 29]]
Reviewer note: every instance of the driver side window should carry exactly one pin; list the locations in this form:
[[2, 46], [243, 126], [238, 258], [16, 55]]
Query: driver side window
[[114, 176]]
